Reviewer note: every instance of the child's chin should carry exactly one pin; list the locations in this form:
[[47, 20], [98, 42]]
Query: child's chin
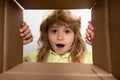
[[60, 53]]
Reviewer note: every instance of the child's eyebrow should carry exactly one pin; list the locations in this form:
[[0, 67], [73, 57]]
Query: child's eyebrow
[[53, 26], [67, 27]]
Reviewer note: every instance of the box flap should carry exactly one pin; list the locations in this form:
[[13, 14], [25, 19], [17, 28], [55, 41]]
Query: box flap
[[56, 71], [56, 4]]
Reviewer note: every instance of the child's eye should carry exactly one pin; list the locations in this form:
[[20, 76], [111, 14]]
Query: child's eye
[[53, 31], [67, 31]]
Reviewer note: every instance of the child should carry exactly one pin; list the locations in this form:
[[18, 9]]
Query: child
[[60, 40]]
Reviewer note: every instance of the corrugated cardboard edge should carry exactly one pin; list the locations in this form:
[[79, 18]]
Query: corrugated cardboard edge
[[1, 34]]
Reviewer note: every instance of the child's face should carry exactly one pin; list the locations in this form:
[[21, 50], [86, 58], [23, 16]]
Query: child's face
[[60, 38]]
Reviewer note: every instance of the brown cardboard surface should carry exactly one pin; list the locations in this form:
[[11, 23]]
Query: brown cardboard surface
[[1, 33], [56, 4], [106, 15], [101, 45], [114, 26], [56, 71], [41, 67], [12, 40]]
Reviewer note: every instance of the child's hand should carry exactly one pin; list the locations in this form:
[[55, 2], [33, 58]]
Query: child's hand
[[89, 33], [25, 33]]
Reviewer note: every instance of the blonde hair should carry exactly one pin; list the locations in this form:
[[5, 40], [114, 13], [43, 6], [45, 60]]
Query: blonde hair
[[61, 17]]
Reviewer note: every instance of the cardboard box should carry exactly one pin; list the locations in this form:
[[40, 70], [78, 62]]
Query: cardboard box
[[105, 17], [11, 42], [55, 71]]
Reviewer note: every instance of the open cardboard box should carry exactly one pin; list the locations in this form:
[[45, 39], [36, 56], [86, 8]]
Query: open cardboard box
[[105, 18]]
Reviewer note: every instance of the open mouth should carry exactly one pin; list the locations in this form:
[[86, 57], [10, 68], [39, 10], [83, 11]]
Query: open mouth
[[60, 45]]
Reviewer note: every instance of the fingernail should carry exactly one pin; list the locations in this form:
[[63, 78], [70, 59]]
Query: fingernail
[[21, 30]]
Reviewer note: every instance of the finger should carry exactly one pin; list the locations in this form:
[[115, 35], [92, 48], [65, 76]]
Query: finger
[[24, 28], [27, 36], [88, 41], [28, 41], [87, 34], [23, 23], [90, 33], [26, 32], [90, 26]]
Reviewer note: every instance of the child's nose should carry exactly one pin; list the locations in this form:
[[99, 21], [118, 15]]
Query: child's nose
[[60, 36]]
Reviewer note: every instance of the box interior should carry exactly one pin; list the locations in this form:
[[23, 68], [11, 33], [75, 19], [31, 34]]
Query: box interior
[[105, 19]]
